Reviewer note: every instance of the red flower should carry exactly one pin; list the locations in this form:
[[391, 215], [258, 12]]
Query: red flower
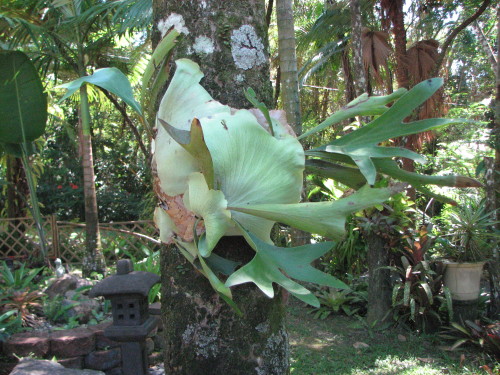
[[73, 186], [59, 186]]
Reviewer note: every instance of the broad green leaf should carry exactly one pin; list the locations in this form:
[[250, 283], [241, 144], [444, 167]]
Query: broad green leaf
[[154, 74], [346, 175], [111, 79], [252, 167], [194, 143], [364, 105], [324, 218], [269, 261], [428, 292], [23, 104], [184, 100], [391, 168], [362, 144], [212, 207]]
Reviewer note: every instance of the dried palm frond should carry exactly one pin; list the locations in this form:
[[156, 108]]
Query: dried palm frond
[[376, 51]]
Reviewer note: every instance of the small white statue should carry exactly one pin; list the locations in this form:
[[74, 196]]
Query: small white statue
[[60, 271]]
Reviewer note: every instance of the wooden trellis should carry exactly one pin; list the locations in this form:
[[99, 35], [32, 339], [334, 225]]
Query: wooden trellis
[[66, 240]]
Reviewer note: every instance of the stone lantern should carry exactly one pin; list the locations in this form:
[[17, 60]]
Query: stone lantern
[[128, 292]]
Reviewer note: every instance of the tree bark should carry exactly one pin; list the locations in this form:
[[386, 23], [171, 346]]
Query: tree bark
[[93, 260], [288, 64], [17, 187], [357, 58], [486, 45], [205, 336], [399, 31], [379, 287]]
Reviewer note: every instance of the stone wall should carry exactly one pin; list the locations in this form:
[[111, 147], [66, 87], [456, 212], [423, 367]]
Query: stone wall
[[79, 348]]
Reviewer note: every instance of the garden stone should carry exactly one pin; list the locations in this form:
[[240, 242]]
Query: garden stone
[[114, 371], [27, 343], [101, 341], [74, 362], [72, 343], [103, 360], [82, 308], [61, 285], [29, 366]]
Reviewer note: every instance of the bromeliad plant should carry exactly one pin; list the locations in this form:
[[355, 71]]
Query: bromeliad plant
[[223, 171]]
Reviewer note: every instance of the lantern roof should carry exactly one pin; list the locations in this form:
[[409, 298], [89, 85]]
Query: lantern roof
[[125, 281]]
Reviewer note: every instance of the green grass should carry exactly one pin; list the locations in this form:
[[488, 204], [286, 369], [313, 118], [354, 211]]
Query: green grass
[[327, 347]]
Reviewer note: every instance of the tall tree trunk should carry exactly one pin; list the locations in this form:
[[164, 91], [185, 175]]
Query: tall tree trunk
[[93, 260], [357, 58], [289, 83], [485, 45], [394, 9], [17, 188], [379, 286], [205, 336], [288, 64]]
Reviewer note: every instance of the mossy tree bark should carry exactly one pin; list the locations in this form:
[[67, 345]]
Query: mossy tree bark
[[379, 286], [203, 334]]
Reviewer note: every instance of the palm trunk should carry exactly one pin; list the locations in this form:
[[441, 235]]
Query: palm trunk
[[399, 31], [93, 260], [359, 69], [204, 335], [288, 64]]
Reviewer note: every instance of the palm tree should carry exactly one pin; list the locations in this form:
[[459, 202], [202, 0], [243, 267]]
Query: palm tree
[[72, 35]]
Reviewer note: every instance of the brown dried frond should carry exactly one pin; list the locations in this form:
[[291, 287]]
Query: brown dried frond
[[422, 57], [376, 51]]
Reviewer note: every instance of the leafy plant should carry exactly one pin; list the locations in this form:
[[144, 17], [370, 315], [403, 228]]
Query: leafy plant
[[350, 301], [420, 298], [18, 278], [486, 337], [55, 311], [10, 323], [22, 302], [472, 230], [23, 114]]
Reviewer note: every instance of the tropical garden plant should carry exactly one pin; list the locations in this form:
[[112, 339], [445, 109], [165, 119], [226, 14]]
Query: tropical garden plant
[[222, 171]]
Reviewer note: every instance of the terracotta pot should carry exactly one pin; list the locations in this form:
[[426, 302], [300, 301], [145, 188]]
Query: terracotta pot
[[463, 280]]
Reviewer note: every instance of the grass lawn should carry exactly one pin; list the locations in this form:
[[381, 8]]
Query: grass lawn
[[341, 345]]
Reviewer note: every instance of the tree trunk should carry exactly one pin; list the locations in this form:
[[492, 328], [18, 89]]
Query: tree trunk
[[379, 287], [93, 260], [205, 336], [17, 188], [288, 64], [357, 58], [399, 32]]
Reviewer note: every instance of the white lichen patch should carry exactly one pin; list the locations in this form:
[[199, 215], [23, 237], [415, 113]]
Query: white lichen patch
[[203, 44], [204, 339], [174, 20], [247, 48], [274, 359], [239, 78], [262, 327]]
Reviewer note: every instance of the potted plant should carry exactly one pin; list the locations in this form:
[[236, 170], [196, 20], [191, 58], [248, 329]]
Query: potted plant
[[473, 234]]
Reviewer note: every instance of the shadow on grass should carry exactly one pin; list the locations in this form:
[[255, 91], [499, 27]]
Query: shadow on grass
[[341, 345]]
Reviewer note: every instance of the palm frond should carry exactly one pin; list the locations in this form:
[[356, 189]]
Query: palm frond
[[376, 51]]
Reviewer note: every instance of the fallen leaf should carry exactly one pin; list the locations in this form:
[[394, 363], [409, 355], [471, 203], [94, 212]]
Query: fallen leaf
[[359, 345], [487, 369], [401, 338], [462, 360], [426, 360]]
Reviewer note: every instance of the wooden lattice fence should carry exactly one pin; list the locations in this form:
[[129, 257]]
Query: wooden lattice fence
[[66, 240]]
